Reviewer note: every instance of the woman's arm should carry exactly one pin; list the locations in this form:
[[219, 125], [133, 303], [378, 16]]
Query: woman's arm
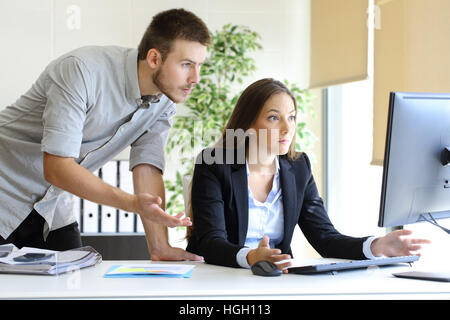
[[396, 243], [209, 235], [318, 228]]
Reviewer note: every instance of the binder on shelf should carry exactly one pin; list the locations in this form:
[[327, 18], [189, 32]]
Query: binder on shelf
[[139, 225], [90, 215], [126, 219], [109, 214], [77, 209], [108, 219]]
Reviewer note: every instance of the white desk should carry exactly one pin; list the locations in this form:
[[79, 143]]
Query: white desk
[[214, 282]]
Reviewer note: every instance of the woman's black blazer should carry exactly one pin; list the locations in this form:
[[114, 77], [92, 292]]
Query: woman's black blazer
[[220, 212]]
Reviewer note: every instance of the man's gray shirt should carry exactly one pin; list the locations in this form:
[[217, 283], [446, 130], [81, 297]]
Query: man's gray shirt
[[85, 105]]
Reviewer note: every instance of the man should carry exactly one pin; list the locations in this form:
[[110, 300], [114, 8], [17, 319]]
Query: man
[[85, 108]]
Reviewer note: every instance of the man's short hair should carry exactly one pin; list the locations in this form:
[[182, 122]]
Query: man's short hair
[[170, 25]]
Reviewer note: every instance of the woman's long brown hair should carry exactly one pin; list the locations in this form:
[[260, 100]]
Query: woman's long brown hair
[[246, 111]]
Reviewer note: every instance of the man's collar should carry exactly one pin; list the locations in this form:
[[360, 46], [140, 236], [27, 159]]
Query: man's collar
[[132, 81], [145, 101], [133, 92]]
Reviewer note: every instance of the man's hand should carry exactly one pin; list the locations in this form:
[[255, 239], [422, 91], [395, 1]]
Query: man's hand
[[149, 188], [264, 252], [396, 244], [175, 254], [149, 207]]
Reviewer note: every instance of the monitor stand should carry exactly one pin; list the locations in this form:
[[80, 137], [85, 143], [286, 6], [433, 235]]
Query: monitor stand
[[430, 219], [422, 275]]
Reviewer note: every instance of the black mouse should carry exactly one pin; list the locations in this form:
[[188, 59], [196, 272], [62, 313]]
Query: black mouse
[[266, 269]]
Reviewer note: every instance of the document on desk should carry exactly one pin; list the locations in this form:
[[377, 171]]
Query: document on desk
[[47, 262], [150, 270]]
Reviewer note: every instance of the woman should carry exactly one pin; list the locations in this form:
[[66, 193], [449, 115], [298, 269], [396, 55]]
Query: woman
[[250, 191]]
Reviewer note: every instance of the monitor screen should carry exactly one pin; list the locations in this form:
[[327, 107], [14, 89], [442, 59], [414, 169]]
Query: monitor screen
[[416, 181]]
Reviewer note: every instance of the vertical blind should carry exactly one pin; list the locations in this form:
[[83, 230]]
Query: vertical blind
[[412, 50], [338, 42]]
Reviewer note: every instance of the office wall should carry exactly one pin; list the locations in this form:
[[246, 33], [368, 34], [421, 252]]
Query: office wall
[[34, 32]]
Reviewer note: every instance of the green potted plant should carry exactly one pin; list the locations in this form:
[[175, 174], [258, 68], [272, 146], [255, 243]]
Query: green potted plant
[[211, 103]]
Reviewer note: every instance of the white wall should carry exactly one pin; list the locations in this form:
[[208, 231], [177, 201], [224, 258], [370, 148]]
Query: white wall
[[34, 32]]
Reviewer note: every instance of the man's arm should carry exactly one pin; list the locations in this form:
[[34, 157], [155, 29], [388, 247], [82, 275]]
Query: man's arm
[[66, 174], [149, 179]]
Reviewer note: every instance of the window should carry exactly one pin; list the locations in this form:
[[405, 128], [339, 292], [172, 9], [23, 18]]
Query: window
[[353, 184]]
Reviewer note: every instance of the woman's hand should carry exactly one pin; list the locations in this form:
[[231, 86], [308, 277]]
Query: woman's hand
[[396, 244], [264, 252]]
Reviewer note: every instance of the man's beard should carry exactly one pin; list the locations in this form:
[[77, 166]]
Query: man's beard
[[156, 77], [156, 80]]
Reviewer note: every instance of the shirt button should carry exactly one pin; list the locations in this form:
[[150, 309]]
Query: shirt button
[[51, 189]]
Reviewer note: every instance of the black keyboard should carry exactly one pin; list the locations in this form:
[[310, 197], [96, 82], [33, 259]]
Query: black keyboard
[[353, 264]]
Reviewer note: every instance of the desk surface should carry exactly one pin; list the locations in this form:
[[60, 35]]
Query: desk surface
[[215, 282]]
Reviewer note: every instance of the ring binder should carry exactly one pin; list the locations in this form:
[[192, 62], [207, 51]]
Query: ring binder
[[90, 215], [109, 214], [126, 219]]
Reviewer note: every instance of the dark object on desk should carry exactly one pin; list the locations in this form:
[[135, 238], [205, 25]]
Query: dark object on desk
[[266, 269], [433, 276], [32, 257], [120, 246], [350, 265]]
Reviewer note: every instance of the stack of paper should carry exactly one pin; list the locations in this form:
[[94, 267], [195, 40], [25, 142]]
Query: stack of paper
[[39, 261], [150, 270]]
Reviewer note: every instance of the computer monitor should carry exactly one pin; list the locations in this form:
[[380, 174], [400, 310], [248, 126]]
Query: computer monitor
[[416, 173]]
